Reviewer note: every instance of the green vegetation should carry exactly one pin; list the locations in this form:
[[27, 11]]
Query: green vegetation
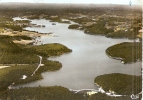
[[98, 29], [54, 49], [122, 34], [11, 53], [1, 29], [118, 19], [48, 66], [8, 23], [67, 22], [137, 24], [128, 52], [14, 27], [120, 83], [14, 73], [20, 37], [56, 19], [73, 26], [22, 21], [100, 96], [5, 19], [41, 93], [81, 20], [33, 17]]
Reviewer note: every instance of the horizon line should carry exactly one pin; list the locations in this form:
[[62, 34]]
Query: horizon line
[[74, 3]]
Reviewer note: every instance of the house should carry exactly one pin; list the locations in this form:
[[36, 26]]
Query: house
[[140, 34], [120, 27], [54, 16]]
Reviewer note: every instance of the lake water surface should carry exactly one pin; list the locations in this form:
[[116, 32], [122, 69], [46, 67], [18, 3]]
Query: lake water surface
[[86, 61]]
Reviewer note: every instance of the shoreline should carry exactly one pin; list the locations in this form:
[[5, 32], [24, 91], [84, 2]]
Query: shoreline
[[32, 34], [126, 59], [116, 58]]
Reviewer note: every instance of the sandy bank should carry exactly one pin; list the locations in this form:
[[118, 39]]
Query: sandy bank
[[3, 67], [26, 33], [23, 41]]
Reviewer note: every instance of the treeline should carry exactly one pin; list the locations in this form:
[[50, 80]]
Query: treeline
[[48, 66], [57, 9], [13, 27], [120, 83], [136, 24], [82, 20], [33, 17], [11, 53], [123, 34], [14, 74], [127, 51], [73, 26], [54, 49], [22, 21], [100, 96], [8, 23], [41, 93], [56, 19], [20, 37], [98, 28]]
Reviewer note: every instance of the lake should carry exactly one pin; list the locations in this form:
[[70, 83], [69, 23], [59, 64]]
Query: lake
[[86, 61]]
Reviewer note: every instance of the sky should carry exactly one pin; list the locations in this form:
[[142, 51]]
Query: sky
[[125, 2]]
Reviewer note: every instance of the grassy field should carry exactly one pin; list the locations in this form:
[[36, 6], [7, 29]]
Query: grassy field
[[120, 83], [128, 51]]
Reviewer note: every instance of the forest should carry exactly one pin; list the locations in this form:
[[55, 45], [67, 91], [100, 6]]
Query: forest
[[127, 52], [16, 54], [41, 93], [92, 19], [122, 84], [100, 96]]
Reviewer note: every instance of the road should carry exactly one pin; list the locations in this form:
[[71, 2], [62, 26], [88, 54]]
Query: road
[[38, 65]]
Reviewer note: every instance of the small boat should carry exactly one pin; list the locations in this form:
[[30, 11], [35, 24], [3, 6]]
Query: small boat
[[53, 23], [43, 25]]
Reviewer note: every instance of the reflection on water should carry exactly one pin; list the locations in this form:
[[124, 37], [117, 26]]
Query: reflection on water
[[87, 60]]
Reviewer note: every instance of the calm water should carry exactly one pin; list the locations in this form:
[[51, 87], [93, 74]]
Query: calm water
[[87, 60]]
